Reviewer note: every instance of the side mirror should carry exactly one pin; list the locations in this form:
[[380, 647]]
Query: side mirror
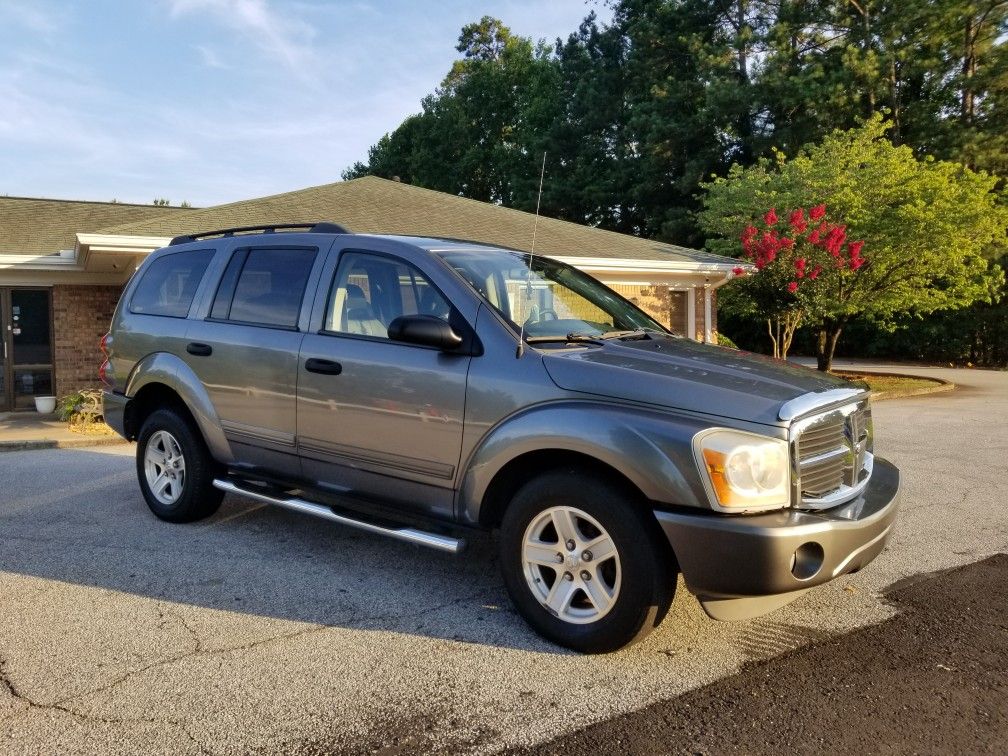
[[425, 330]]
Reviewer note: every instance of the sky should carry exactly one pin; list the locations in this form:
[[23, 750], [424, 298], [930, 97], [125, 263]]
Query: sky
[[212, 101]]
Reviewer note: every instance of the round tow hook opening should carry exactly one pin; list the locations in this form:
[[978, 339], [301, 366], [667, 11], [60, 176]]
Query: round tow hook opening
[[807, 560]]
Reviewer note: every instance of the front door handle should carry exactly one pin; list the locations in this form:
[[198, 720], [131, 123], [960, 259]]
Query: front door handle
[[200, 350], [326, 367]]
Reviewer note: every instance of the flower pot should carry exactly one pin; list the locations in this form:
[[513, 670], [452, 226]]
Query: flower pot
[[45, 404]]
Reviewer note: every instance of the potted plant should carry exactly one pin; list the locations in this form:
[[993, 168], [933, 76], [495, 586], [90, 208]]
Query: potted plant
[[45, 405]]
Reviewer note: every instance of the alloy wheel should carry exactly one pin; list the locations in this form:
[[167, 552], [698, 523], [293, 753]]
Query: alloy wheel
[[571, 565], [164, 467]]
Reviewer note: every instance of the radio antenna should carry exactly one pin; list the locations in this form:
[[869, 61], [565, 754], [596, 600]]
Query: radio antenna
[[528, 276]]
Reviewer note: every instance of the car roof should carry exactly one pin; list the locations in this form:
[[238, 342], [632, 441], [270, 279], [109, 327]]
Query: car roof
[[430, 244]]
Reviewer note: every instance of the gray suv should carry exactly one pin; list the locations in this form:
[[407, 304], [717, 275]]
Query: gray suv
[[421, 388]]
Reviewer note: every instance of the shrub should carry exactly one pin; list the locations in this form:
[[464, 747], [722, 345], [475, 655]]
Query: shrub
[[81, 407]]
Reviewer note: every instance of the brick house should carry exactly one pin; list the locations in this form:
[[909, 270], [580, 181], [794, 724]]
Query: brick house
[[63, 264]]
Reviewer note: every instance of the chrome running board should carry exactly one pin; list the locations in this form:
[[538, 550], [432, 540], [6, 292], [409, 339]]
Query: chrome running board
[[411, 535]]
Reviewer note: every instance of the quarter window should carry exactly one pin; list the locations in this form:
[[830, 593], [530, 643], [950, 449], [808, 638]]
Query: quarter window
[[169, 284], [264, 286], [370, 292]]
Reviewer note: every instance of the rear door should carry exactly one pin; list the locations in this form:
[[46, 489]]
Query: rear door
[[376, 418], [245, 351]]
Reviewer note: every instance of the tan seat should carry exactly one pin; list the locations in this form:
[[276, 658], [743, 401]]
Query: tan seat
[[359, 317]]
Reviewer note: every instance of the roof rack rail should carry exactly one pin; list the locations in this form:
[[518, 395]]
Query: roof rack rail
[[311, 228]]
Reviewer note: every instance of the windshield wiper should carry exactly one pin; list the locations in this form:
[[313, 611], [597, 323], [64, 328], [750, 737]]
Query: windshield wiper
[[570, 337], [637, 333], [591, 338]]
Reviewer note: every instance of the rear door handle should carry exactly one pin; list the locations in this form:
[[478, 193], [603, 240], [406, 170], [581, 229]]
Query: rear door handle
[[326, 367], [200, 350]]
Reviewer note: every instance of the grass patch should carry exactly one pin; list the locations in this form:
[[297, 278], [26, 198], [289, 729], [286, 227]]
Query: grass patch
[[890, 384]]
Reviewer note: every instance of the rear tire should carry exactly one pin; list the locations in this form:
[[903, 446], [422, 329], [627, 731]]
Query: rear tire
[[589, 601], [175, 469]]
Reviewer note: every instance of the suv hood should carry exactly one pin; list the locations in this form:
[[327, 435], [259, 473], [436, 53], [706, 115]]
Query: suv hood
[[679, 373]]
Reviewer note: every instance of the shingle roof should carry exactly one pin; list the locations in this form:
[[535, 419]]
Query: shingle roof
[[29, 225], [375, 205]]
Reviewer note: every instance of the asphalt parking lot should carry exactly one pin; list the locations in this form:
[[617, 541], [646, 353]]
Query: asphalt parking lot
[[261, 630]]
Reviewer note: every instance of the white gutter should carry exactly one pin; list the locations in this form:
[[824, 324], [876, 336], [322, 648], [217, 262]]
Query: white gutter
[[124, 244], [117, 244], [59, 261], [620, 265]]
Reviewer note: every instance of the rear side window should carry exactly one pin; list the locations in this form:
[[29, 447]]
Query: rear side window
[[264, 286], [169, 284]]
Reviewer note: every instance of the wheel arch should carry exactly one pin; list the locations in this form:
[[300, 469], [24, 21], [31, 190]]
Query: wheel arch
[[647, 455], [515, 473], [162, 379]]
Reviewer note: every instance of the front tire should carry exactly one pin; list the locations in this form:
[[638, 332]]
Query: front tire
[[175, 469], [584, 563]]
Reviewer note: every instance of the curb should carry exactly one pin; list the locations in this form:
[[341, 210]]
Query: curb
[[940, 386], [46, 443]]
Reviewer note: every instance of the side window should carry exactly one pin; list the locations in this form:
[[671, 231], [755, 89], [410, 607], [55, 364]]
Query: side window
[[264, 286], [369, 292], [169, 284]]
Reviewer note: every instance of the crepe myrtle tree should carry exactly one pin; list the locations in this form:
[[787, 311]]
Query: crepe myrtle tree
[[930, 227], [802, 265]]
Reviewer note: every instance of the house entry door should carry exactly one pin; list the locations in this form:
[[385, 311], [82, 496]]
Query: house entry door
[[26, 359]]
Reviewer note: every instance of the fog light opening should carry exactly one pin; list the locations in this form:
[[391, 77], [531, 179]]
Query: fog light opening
[[807, 560]]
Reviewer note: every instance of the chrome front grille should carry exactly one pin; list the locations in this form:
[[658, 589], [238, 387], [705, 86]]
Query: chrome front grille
[[833, 455]]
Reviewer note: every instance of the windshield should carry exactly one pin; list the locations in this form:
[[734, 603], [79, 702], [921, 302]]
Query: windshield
[[553, 300]]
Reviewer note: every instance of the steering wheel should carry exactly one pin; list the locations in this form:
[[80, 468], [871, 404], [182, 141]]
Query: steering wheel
[[547, 314]]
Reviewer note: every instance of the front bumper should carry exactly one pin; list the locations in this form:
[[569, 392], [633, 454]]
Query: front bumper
[[744, 566]]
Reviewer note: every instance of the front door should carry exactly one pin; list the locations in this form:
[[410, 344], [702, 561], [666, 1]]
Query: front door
[[380, 419], [26, 357]]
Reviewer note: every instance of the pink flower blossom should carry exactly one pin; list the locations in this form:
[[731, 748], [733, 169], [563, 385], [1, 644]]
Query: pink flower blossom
[[815, 272], [797, 221], [792, 287], [738, 271], [817, 212], [835, 239], [771, 217]]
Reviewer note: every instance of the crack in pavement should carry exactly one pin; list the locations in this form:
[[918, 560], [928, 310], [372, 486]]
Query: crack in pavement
[[30, 703], [199, 649]]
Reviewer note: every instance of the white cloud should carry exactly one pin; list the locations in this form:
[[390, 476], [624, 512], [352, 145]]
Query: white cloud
[[280, 37], [267, 95], [210, 58]]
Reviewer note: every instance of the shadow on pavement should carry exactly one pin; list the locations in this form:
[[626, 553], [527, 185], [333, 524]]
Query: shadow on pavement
[[78, 516]]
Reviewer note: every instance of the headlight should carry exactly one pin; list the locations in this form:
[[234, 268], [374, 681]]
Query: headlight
[[743, 471]]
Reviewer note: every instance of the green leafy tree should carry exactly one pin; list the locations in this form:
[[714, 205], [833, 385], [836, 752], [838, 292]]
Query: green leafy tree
[[928, 223], [803, 266], [637, 112], [588, 143], [483, 127]]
